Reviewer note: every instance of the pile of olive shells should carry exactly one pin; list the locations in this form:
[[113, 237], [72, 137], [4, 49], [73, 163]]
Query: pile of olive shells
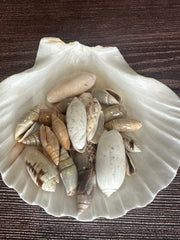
[[81, 138]]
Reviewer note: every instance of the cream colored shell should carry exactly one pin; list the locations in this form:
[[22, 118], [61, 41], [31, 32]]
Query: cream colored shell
[[110, 162], [76, 124]]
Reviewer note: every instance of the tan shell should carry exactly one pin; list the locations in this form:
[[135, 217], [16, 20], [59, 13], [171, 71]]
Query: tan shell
[[50, 143], [113, 112], [33, 139], [93, 114], [130, 167], [76, 124], [26, 125], [86, 98], [106, 96], [124, 125], [41, 170], [130, 144], [68, 172], [59, 128], [81, 83], [45, 116], [110, 162]]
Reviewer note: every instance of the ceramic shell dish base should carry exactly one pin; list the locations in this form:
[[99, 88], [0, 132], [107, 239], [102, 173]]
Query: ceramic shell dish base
[[146, 99]]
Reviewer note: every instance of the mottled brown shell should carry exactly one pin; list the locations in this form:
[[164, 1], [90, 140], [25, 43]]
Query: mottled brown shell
[[124, 125], [93, 113], [45, 116]]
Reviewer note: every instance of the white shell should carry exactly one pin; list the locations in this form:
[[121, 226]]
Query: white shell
[[144, 98], [76, 124], [110, 162]]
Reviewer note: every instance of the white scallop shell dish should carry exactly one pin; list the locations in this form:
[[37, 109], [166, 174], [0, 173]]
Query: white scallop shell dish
[[145, 99]]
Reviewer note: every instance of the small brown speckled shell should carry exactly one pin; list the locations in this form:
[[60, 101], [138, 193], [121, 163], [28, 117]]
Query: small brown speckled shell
[[124, 125], [45, 116]]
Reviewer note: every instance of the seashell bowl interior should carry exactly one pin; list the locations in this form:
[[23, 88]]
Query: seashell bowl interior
[[145, 99]]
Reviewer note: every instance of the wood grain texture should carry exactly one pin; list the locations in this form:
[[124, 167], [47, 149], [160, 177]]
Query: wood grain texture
[[148, 35]]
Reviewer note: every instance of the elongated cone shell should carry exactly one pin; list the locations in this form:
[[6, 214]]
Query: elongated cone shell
[[41, 170], [91, 153], [110, 162], [124, 125], [86, 98], [93, 114], [68, 172], [59, 128], [26, 123], [106, 96], [33, 139], [50, 143], [130, 144], [45, 116], [81, 160], [85, 160], [43, 151], [81, 83], [85, 191], [130, 167], [99, 129], [76, 124], [61, 106], [113, 112]]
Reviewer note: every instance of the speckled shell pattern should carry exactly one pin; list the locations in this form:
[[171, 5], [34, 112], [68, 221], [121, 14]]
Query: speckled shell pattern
[[45, 116], [110, 162], [76, 124], [93, 114]]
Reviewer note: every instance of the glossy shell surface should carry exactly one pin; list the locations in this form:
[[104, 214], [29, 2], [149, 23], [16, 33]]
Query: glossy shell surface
[[76, 124], [110, 162], [144, 98]]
